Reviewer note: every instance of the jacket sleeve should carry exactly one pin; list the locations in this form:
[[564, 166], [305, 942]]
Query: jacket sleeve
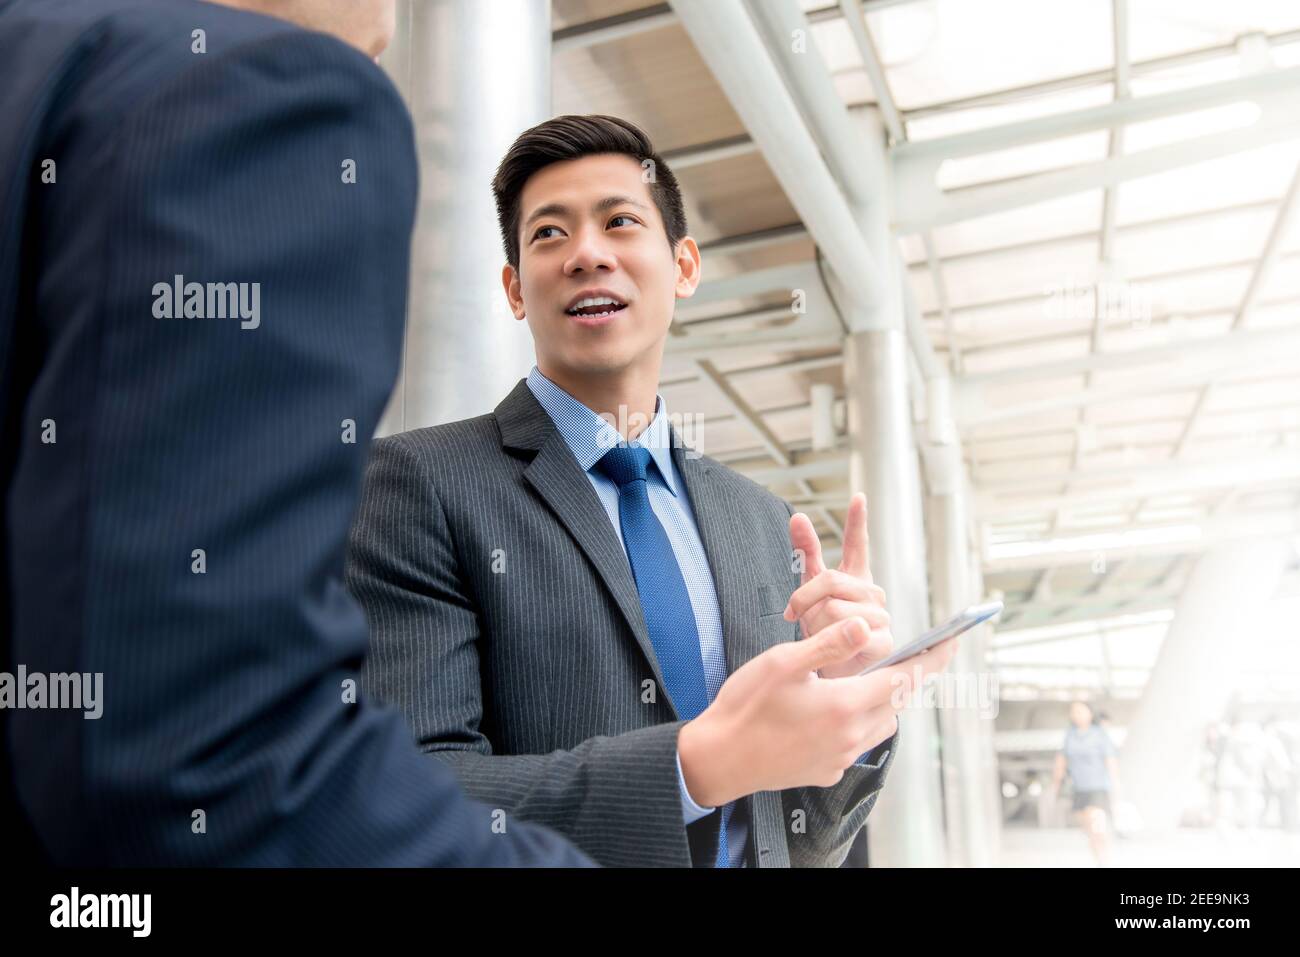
[[831, 817], [821, 823], [220, 481], [616, 797]]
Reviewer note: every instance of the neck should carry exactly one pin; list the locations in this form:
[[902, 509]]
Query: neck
[[626, 398]]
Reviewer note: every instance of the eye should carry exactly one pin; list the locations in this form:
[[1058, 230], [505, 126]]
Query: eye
[[538, 234], [622, 216]]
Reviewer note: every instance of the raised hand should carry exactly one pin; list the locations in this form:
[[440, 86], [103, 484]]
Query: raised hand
[[826, 596]]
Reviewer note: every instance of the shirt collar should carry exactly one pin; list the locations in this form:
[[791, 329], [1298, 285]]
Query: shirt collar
[[589, 436]]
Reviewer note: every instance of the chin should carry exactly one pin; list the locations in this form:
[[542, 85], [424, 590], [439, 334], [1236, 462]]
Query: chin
[[380, 40], [384, 29], [596, 364]]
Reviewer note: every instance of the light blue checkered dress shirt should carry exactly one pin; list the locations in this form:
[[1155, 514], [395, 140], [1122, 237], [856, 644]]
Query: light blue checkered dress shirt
[[589, 437]]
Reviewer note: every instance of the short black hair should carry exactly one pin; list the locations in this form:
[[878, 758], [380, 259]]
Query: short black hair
[[571, 137]]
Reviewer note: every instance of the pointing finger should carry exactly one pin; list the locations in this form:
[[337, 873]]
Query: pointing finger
[[855, 558], [804, 542]]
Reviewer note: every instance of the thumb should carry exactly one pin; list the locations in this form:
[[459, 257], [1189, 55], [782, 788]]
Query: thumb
[[833, 644]]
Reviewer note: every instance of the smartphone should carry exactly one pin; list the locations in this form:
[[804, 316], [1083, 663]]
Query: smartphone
[[954, 626]]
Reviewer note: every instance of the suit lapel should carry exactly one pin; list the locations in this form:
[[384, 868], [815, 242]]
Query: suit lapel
[[555, 475], [732, 579]]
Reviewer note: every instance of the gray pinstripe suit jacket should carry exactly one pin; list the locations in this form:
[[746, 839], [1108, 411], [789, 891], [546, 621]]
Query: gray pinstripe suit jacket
[[505, 624]]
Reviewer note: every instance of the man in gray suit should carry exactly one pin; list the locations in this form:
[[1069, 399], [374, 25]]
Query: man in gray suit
[[593, 624]]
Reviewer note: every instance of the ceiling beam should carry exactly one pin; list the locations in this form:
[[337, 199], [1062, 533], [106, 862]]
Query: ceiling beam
[[1259, 278], [1175, 478], [730, 44], [921, 204], [1216, 352], [1262, 523], [1272, 88], [856, 18]]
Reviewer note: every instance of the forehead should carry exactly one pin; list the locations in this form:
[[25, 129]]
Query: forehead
[[582, 181]]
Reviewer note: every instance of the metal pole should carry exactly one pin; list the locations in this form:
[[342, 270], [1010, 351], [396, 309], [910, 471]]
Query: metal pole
[[972, 802], [906, 826], [475, 76]]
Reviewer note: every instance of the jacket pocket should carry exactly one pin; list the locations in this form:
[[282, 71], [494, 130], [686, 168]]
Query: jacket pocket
[[772, 598]]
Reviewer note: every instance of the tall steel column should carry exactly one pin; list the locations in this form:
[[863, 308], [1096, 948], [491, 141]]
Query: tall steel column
[[977, 649], [972, 804], [906, 828], [475, 75], [1191, 681]]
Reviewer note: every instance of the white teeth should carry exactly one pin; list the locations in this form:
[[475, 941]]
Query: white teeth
[[597, 301]]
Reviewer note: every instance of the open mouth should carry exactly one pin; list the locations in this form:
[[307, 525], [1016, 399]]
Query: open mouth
[[596, 308]]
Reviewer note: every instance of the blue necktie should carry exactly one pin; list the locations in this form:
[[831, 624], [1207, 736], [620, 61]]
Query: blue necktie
[[664, 599]]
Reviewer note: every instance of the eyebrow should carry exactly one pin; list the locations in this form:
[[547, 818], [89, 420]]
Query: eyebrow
[[559, 209]]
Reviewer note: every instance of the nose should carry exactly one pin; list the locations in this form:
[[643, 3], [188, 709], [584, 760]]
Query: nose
[[590, 252]]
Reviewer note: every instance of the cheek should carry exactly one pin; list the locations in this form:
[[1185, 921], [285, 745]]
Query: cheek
[[656, 281], [531, 291]]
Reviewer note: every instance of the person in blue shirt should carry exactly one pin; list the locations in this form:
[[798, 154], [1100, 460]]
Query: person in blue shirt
[[1091, 760], [601, 628]]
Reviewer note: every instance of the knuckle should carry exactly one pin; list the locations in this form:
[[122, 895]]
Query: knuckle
[[838, 608]]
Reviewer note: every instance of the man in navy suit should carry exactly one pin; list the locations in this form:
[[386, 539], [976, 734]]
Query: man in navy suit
[[203, 275]]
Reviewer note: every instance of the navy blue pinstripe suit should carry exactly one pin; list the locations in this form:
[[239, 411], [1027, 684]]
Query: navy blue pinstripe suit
[[178, 490]]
